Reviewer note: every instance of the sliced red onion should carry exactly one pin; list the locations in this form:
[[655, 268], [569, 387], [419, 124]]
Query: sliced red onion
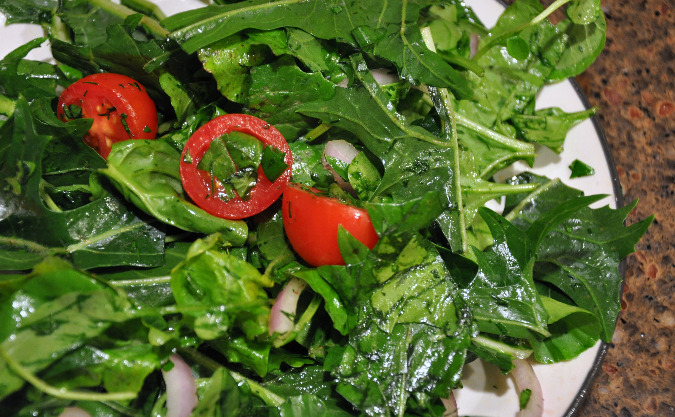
[[450, 405], [473, 44], [382, 77], [343, 151], [181, 389], [525, 378], [74, 412], [284, 308]]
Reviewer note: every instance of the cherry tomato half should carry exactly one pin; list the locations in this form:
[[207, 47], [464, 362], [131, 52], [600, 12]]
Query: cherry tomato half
[[198, 183], [119, 105], [311, 223]]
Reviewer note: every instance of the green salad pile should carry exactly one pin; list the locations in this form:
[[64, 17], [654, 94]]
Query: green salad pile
[[110, 270]]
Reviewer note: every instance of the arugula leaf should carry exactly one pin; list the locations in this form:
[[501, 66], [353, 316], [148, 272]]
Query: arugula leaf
[[278, 92], [589, 274]]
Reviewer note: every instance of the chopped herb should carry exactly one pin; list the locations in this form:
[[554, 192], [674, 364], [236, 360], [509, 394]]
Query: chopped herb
[[580, 169], [108, 112], [187, 158], [123, 120], [525, 397]]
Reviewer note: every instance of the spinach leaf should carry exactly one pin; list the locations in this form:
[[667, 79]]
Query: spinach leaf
[[584, 44], [509, 86], [28, 11], [220, 291], [573, 330], [502, 296], [230, 61], [107, 232], [55, 311], [395, 35], [548, 127], [222, 395], [147, 173]]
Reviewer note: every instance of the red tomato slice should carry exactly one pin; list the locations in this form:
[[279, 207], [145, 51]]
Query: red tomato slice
[[311, 223], [197, 182], [119, 105]]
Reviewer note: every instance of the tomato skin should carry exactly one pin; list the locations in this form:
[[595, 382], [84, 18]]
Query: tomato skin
[[111, 100], [311, 222], [197, 183]]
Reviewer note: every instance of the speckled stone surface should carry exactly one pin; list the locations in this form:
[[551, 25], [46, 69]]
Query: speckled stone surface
[[632, 83]]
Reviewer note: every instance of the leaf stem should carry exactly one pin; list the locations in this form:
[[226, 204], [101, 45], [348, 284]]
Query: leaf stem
[[443, 103], [316, 132], [513, 144], [146, 7], [501, 347], [266, 395], [150, 24], [63, 393], [47, 198], [141, 281]]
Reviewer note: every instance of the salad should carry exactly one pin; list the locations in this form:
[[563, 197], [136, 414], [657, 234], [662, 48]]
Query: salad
[[278, 208]]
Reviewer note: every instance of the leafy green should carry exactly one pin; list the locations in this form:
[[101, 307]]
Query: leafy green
[[52, 313], [394, 35], [147, 173], [108, 233], [580, 169], [585, 268], [120, 270]]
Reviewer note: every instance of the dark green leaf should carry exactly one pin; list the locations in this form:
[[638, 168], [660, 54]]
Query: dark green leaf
[[147, 173], [580, 169], [61, 309], [273, 163]]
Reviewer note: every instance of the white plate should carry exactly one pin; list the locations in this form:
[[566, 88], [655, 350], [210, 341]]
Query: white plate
[[486, 391]]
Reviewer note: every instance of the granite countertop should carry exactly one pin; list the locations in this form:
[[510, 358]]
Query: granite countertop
[[632, 84]]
